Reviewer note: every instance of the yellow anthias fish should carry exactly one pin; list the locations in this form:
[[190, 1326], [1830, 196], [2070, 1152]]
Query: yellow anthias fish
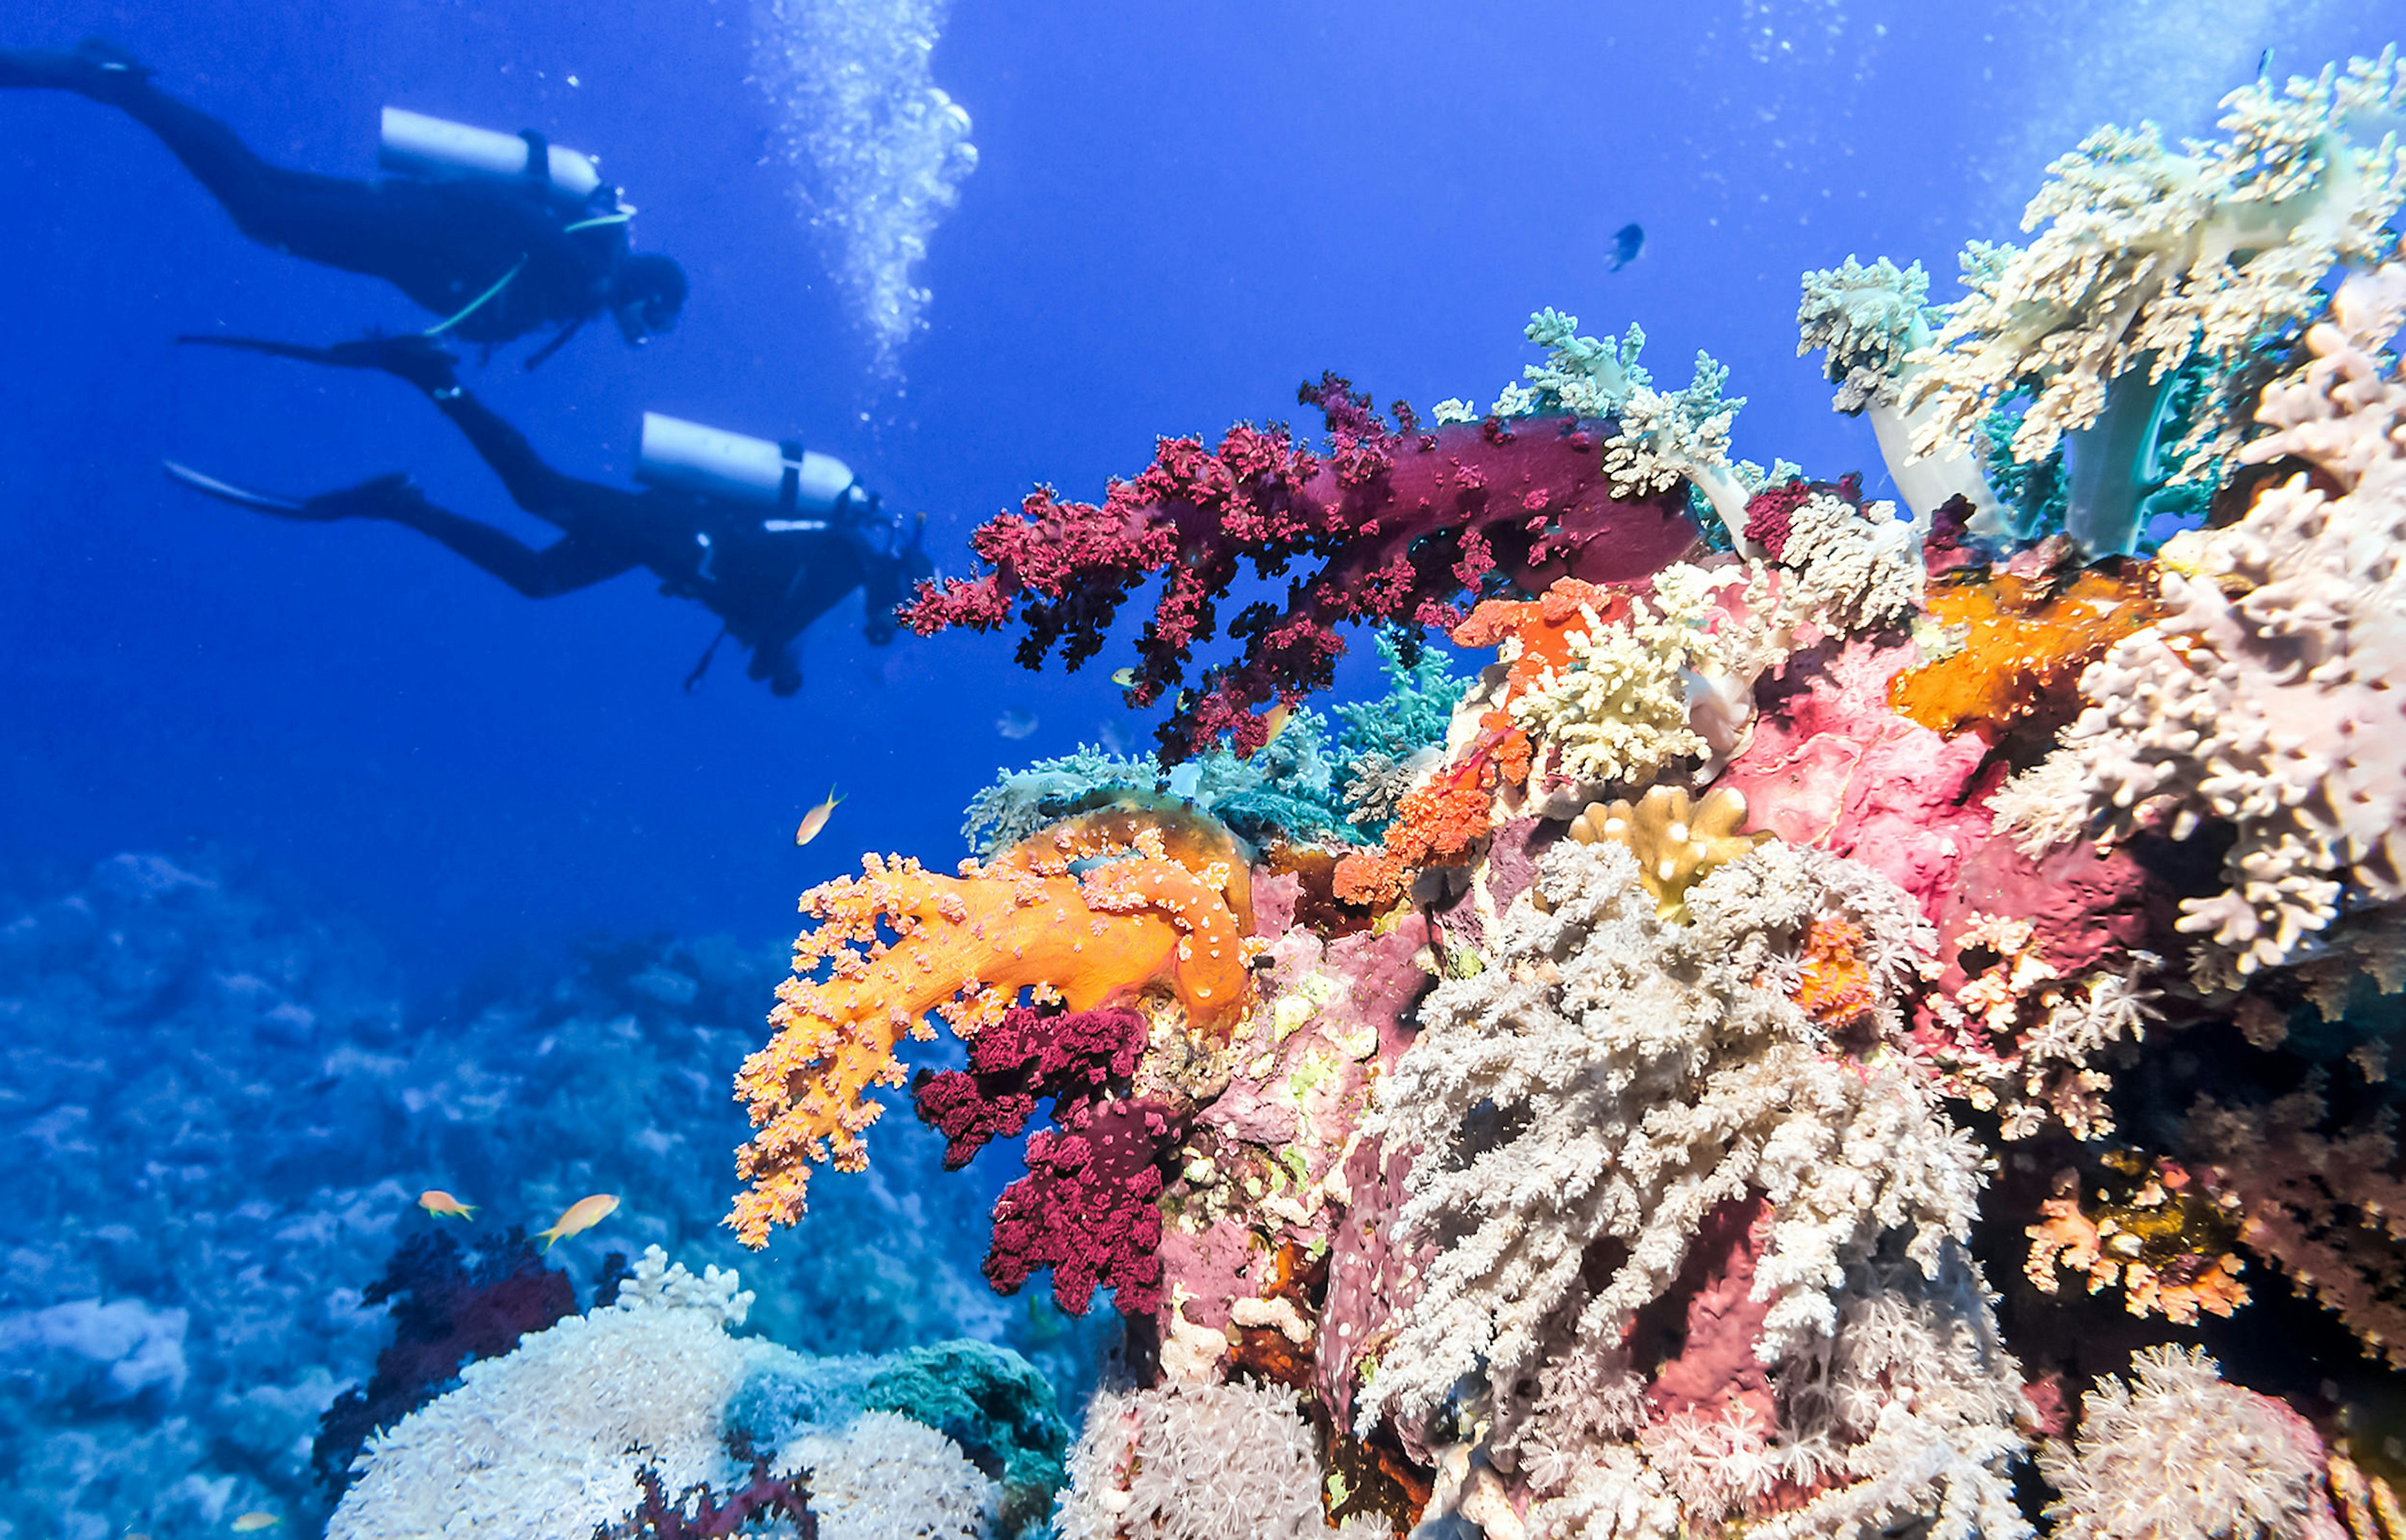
[[582, 1215], [252, 1522], [441, 1205], [1276, 719], [816, 819]]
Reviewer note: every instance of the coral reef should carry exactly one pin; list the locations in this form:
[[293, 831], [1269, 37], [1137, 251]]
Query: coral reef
[[2262, 699], [965, 946], [1197, 1462]]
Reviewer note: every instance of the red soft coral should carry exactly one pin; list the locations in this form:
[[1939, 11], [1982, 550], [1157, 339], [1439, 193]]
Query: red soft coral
[[1403, 526]]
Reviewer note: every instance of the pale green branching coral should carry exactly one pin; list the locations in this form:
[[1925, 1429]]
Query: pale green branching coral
[[1870, 321], [1673, 681], [1661, 439], [2152, 259]]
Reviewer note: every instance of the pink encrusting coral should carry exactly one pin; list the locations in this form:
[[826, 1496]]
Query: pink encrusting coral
[[1401, 524]]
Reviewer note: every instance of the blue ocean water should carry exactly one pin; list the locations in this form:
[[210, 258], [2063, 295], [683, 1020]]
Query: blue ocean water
[[1178, 210]]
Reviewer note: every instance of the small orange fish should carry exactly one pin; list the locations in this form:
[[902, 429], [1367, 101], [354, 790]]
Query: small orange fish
[[1275, 719], [441, 1205], [816, 819], [252, 1522], [582, 1215]]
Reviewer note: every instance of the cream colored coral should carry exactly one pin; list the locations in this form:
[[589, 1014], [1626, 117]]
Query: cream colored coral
[[1197, 1461], [2153, 258], [1850, 570], [2266, 697], [2177, 1454], [1636, 1074], [1674, 681]]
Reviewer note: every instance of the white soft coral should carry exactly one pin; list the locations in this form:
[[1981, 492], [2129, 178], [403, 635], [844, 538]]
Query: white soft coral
[[2266, 697]]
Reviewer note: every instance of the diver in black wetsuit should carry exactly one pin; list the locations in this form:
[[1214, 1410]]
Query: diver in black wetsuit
[[767, 574], [499, 256]]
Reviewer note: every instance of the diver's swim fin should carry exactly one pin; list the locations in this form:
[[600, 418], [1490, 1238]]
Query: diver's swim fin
[[418, 360], [241, 497]]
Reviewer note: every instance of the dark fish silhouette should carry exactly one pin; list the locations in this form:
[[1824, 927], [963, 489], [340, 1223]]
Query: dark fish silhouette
[[1627, 242]]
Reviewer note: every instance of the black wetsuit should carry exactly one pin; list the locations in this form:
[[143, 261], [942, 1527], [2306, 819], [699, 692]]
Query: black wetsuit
[[441, 243], [768, 575]]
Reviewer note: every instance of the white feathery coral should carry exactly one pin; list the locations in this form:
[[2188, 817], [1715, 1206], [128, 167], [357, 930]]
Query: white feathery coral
[[2265, 697], [1193, 1461], [887, 1478], [2181, 1455], [1910, 1404], [1674, 679], [543, 1442], [2153, 258], [1612, 1074], [1851, 570]]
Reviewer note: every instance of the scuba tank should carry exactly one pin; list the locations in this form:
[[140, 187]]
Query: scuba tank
[[691, 457], [440, 151]]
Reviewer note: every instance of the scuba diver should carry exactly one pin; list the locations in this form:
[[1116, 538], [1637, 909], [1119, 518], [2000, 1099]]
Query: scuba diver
[[768, 536], [503, 235]]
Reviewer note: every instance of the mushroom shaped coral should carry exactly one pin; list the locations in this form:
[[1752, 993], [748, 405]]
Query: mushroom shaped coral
[[1677, 840]]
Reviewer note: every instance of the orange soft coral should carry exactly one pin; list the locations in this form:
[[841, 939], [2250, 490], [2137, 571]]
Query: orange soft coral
[[1541, 627], [2169, 1242], [1136, 913], [2024, 644], [1437, 823], [1835, 986]]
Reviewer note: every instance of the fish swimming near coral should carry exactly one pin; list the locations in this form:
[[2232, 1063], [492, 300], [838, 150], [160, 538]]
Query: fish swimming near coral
[[816, 819], [582, 1215], [1015, 723], [441, 1205], [1627, 242], [252, 1523]]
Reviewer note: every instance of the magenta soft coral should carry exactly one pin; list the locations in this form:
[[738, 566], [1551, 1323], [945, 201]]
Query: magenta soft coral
[[1403, 523], [1085, 1208]]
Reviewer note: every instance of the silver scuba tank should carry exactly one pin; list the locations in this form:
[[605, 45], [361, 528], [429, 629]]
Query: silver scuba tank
[[765, 475], [438, 150]]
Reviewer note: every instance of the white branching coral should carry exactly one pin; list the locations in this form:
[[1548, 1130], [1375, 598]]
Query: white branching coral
[[545, 1440], [1613, 1075], [1193, 1461], [1673, 680], [544, 1443], [2181, 1455], [2265, 699], [2152, 258], [1851, 569]]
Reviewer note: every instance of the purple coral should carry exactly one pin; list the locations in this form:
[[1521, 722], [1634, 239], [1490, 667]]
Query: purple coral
[[1085, 1208], [697, 1514], [446, 1314]]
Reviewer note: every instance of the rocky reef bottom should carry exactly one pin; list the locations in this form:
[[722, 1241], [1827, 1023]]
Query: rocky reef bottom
[[219, 1110]]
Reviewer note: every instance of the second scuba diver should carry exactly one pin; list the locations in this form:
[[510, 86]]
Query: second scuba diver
[[768, 536], [500, 234]]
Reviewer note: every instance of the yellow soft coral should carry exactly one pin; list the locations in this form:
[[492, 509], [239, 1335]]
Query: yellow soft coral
[[1089, 910], [1676, 840]]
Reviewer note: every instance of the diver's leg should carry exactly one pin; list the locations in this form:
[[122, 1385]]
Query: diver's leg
[[561, 567], [566, 564], [318, 218], [566, 500]]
